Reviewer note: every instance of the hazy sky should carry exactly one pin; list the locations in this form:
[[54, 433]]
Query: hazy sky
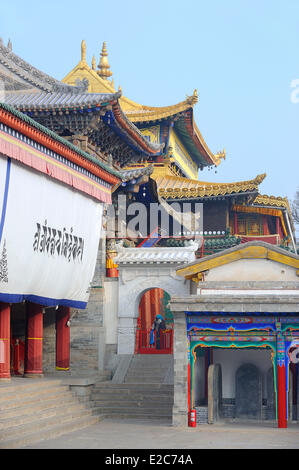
[[242, 57]]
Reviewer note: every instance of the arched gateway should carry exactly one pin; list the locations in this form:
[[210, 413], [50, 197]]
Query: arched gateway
[[143, 269]]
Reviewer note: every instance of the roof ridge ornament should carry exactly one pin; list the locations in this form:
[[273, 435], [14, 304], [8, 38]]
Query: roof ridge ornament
[[221, 154], [83, 51], [192, 100], [103, 65]]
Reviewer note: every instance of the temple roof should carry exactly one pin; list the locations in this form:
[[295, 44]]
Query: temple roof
[[43, 100], [175, 187], [47, 136], [17, 74], [181, 114], [41, 96]]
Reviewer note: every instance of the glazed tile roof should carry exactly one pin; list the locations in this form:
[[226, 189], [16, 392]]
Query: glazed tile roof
[[18, 74], [135, 173], [156, 255], [43, 100], [175, 187], [57, 137]]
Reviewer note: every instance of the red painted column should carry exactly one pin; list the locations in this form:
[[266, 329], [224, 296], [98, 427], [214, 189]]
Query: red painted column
[[4, 342], [63, 338], [281, 396], [281, 378], [33, 364]]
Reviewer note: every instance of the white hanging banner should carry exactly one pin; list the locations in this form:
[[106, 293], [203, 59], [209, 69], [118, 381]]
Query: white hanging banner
[[49, 237]]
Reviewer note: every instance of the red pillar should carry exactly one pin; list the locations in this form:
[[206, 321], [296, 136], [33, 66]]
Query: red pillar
[[4, 341], [62, 338], [33, 366], [281, 396]]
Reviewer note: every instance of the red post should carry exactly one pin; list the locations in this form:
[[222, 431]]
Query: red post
[[33, 366], [281, 396], [4, 342], [62, 338]]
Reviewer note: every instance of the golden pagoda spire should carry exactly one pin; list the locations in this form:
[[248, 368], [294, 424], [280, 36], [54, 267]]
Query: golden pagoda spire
[[93, 63], [104, 66], [83, 51]]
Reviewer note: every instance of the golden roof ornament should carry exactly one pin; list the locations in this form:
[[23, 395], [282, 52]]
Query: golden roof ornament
[[104, 66], [83, 51], [221, 154], [93, 63], [192, 100]]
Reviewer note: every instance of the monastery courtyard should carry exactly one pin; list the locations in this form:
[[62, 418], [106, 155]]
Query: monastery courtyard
[[129, 434]]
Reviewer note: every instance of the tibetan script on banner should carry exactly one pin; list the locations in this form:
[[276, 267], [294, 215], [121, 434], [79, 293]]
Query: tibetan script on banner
[[55, 242]]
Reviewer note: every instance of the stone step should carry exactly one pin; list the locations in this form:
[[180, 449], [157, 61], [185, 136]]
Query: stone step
[[24, 409], [149, 380], [37, 393], [20, 384], [132, 394], [132, 403], [39, 420], [19, 400], [111, 410], [49, 432], [127, 387]]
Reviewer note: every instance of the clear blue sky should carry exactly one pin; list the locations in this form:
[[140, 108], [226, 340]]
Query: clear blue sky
[[240, 55]]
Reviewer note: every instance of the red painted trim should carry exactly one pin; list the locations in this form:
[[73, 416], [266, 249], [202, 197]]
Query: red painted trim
[[194, 137], [60, 172], [119, 119], [50, 143]]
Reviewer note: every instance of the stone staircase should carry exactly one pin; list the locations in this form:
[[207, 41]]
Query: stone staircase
[[32, 410], [134, 401], [146, 392], [150, 368]]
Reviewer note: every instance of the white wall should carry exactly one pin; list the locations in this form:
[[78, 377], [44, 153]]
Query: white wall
[[252, 270], [111, 310]]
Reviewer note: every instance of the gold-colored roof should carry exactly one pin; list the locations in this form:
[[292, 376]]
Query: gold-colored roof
[[277, 201], [136, 113], [175, 187]]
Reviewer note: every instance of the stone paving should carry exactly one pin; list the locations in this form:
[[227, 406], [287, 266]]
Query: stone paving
[[129, 434]]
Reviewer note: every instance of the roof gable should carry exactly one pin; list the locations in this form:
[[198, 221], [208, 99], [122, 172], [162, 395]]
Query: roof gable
[[250, 250]]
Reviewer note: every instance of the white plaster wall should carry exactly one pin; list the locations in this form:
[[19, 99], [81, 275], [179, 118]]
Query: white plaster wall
[[111, 310], [231, 359], [252, 270]]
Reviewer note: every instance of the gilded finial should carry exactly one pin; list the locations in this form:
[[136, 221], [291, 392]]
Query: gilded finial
[[83, 50], [93, 63], [193, 99], [104, 66]]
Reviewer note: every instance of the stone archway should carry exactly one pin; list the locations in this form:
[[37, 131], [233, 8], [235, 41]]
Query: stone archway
[[142, 269], [130, 294]]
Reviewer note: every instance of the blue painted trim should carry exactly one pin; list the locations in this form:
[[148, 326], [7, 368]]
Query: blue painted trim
[[5, 196], [46, 301]]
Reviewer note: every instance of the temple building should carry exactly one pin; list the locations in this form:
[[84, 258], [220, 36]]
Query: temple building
[[235, 215], [170, 308]]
